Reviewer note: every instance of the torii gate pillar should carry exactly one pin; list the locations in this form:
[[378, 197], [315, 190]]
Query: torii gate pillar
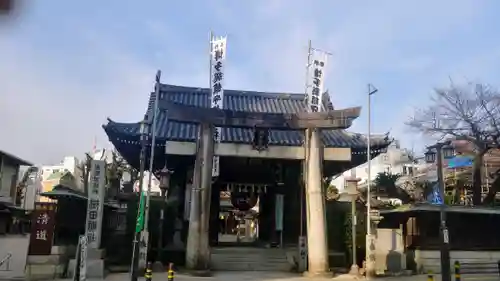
[[317, 244], [198, 248]]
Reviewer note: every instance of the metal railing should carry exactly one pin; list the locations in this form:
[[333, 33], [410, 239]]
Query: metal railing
[[6, 261]]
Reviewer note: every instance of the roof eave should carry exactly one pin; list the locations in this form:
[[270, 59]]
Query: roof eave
[[15, 159]]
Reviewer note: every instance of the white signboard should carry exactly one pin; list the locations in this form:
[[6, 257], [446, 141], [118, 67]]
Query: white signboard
[[187, 201], [95, 205], [279, 211], [217, 58], [83, 259], [316, 78], [143, 249], [302, 264]]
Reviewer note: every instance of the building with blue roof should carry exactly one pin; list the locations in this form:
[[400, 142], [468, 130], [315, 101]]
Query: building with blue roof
[[253, 176], [177, 138]]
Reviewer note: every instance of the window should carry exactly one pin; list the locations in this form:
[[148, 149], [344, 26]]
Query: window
[[404, 170], [410, 170]]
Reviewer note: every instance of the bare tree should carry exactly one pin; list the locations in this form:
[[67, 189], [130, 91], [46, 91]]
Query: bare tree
[[114, 173], [469, 112], [85, 166]]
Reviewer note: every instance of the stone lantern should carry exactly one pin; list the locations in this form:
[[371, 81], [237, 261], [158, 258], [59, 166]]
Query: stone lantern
[[352, 191]]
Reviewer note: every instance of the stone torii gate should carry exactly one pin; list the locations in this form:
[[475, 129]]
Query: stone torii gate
[[198, 249]]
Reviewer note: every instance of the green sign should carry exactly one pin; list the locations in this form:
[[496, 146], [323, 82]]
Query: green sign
[[140, 214]]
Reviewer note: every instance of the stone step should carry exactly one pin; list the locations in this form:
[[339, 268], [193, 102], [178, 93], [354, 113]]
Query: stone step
[[44, 271], [46, 259], [249, 259]]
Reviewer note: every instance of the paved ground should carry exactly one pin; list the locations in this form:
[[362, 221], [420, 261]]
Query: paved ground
[[264, 276], [17, 245]]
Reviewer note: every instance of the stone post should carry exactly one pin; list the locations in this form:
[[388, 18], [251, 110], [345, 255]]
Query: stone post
[[371, 244], [194, 229], [316, 226], [206, 194]]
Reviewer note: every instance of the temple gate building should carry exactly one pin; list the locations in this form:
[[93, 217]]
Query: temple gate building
[[255, 170]]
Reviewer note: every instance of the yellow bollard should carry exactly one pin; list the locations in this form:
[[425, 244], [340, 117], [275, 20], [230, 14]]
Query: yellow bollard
[[148, 275], [430, 276], [170, 275]]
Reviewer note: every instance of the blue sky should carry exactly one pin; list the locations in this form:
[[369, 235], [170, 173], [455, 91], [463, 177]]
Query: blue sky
[[67, 65]]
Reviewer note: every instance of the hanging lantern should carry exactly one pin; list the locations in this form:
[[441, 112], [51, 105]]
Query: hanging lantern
[[243, 201], [448, 151], [430, 156]]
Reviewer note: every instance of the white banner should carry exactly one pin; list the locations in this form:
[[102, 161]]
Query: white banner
[[316, 76], [95, 205], [217, 58]]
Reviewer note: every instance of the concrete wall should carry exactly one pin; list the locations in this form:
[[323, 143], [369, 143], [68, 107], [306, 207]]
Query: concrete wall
[[18, 246], [426, 260], [390, 253]]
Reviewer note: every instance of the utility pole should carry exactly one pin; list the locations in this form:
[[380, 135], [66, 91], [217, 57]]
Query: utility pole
[[445, 250], [437, 157], [151, 161]]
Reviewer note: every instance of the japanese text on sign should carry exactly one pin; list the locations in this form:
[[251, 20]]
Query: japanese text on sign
[[218, 56], [95, 203], [217, 80], [41, 221], [83, 259], [42, 229], [316, 70]]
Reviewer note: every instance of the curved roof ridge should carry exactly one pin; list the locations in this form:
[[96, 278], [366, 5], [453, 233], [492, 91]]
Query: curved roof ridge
[[376, 135], [283, 95]]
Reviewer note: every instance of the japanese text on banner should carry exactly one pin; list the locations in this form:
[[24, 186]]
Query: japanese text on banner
[[316, 77], [218, 56]]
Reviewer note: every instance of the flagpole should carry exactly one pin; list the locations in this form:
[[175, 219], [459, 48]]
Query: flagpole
[[151, 157], [140, 211], [304, 214], [369, 255]]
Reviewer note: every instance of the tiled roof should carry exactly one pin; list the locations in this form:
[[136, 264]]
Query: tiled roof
[[15, 159], [238, 101]]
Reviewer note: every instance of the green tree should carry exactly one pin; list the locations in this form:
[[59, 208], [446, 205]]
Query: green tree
[[385, 183], [332, 192]]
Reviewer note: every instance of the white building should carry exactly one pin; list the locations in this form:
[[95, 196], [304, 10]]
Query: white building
[[155, 184], [69, 163], [395, 161]]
